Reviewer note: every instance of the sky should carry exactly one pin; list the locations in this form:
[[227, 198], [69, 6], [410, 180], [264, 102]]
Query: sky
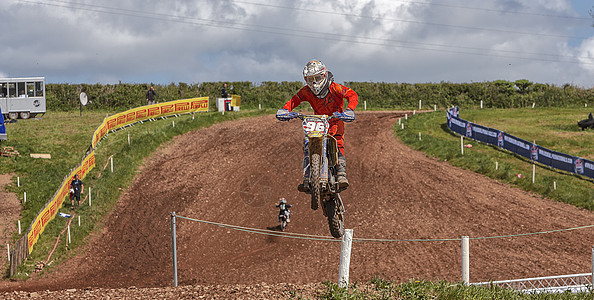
[[416, 41]]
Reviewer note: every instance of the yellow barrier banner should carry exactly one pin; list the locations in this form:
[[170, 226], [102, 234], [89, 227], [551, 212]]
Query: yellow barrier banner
[[149, 112], [50, 210]]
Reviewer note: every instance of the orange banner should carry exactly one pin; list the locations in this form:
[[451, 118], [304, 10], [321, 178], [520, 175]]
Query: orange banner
[[50, 210], [149, 112]]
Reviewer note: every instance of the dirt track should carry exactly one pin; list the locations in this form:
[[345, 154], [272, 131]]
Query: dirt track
[[235, 172]]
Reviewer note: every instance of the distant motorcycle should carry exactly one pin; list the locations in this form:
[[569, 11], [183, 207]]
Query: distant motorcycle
[[283, 217], [323, 159]]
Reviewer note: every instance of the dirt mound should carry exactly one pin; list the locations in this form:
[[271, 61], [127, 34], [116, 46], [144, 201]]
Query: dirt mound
[[235, 172]]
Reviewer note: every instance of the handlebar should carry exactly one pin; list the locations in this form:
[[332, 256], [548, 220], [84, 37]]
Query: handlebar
[[301, 116]]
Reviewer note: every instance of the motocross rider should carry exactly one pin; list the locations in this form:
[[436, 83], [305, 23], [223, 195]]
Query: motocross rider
[[326, 97], [284, 209]]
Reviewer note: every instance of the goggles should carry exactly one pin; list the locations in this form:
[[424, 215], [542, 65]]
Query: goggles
[[314, 79]]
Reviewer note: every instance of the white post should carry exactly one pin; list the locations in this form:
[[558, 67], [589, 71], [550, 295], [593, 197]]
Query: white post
[[69, 234], [399, 121], [260, 106], [465, 260], [18, 181], [585, 104], [554, 185], [402, 126], [111, 164], [8, 250], [481, 104], [419, 104], [462, 144], [419, 136], [19, 226], [434, 107], [414, 112], [79, 221], [89, 196], [365, 104], [345, 258], [128, 138], [406, 116], [496, 165], [173, 123], [533, 104], [25, 197], [192, 116], [592, 279], [533, 172]]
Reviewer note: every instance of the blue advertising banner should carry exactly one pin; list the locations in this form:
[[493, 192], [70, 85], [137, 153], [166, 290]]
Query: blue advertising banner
[[517, 145], [2, 127], [557, 160], [485, 134]]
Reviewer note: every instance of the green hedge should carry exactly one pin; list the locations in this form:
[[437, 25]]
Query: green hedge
[[378, 95]]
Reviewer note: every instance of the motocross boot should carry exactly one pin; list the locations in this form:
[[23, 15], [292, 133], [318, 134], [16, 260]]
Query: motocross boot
[[304, 187], [343, 183]]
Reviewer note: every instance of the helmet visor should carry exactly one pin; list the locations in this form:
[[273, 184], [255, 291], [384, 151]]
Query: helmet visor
[[316, 82]]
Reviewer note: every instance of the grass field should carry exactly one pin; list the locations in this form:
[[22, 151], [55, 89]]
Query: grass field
[[66, 136], [553, 128]]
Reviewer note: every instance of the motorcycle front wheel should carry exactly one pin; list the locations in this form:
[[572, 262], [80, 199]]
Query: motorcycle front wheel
[[335, 221], [314, 180]]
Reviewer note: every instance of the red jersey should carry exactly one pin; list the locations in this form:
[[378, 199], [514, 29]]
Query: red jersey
[[333, 102]]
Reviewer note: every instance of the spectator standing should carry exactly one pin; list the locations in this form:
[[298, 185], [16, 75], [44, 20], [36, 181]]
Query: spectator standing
[[150, 96], [76, 187], [224, 93]]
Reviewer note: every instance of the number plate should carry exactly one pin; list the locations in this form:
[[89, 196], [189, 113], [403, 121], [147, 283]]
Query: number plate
[[315, 126]]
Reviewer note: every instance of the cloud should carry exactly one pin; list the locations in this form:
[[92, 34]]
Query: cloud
[[271, 40]]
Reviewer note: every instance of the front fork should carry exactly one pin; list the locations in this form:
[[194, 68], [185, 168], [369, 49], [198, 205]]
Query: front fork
[[312, 146]]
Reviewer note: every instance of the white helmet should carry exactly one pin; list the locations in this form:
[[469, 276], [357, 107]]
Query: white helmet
[[283, 200], [316, 77]]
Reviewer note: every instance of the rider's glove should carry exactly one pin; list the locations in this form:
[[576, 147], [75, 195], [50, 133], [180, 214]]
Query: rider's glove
[[347, 116], [283, 115]]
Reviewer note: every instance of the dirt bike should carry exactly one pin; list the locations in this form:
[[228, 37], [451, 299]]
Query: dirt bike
[[323, 159], [283, 220]]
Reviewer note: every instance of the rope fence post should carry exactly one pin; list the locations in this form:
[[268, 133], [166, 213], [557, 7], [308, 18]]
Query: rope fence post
[[465, 260], [462, 144], [174, 249], [89, 196], [111, 160], [345, 258], [19, 227], [592, 280], [8, 250]]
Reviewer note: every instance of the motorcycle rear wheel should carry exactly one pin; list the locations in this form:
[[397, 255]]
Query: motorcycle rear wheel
[[314, 181], [335, 221], [283, 225]]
